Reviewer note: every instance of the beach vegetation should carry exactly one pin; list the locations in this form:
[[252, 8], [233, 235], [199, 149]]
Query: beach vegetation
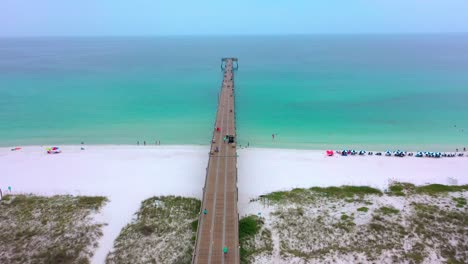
[[249, 226], [162, 231], [307, 196], [401, 188], [434, 189], [363, 209], [297, 195], [346, 223], [346, 191], [195, 225], [254, 238], [388, 210], [460, 201], [61, 228]]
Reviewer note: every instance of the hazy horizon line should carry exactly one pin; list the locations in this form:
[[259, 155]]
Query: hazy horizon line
[[236, 35]]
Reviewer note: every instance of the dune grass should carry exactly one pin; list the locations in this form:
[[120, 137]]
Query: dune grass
[[439, 188], [403, 188], [57, 229], [460, 201], [249, 227], [363, 209], [163, 231], [254, 238], [346, 191], [387, 210], [302, 195]]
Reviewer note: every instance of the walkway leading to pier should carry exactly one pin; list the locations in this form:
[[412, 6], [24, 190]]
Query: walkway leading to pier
[[218, 228]]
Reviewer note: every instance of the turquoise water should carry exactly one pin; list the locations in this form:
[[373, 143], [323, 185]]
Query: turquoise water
[[312, 91]]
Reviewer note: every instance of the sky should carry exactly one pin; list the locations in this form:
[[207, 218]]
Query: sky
[[221, 17]]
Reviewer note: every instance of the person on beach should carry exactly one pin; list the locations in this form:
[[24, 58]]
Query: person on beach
[[248, 144], [144, 143], [273, 136], [138, 143]]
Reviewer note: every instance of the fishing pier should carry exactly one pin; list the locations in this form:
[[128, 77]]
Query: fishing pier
[[217, 234]]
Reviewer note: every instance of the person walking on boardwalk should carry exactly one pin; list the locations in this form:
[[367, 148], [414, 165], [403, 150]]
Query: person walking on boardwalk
[[205, 211], [225, 250]]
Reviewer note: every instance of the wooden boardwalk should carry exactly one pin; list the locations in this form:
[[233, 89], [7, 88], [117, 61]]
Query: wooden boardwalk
[[218, 228]]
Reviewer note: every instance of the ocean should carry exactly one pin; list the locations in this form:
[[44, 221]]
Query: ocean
[[317, 91]]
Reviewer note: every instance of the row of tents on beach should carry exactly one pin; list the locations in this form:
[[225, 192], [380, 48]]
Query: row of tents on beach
[[397, 153]]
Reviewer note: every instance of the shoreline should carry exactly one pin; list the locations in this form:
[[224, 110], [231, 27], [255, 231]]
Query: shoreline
[[357, 147]]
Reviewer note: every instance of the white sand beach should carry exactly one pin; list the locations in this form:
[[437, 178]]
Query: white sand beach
[[129, 174], [266, 170]]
